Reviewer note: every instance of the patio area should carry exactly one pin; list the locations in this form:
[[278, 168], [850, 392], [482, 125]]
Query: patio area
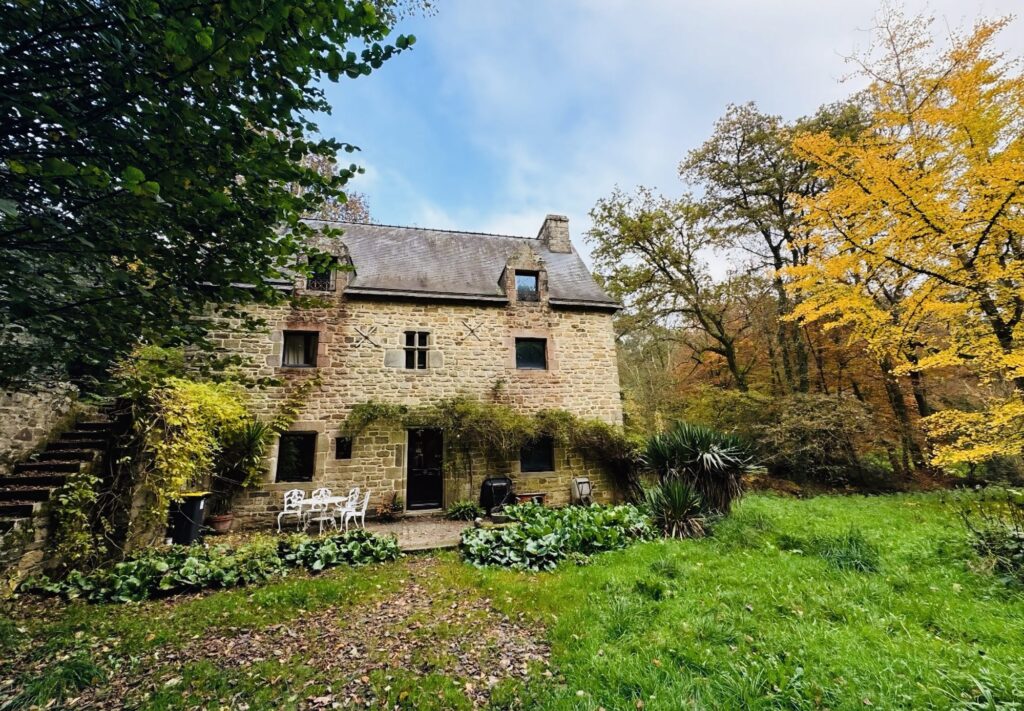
[[421, 533]]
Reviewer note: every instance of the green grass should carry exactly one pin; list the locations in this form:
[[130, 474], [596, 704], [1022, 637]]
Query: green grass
[[833, 602]]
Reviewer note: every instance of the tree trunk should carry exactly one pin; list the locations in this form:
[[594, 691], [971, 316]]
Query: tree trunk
[[912, 454]]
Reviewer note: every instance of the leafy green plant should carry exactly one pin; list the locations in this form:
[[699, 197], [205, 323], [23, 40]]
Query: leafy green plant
[[676, 509], [539, 538], [463, 511], [240, 461], [995, 522], [75, 540], [711, 462], [164, 571]]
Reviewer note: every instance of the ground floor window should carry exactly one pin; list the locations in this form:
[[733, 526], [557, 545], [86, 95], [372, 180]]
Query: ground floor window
[[538, 456], [296, 456]]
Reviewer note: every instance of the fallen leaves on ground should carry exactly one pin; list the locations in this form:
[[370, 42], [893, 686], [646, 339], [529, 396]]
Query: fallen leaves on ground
[[419, 630]]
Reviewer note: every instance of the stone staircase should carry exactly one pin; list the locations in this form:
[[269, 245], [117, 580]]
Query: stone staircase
[[25, 492]]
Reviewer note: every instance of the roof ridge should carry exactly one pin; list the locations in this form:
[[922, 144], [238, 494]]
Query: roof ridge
[[424, 229]]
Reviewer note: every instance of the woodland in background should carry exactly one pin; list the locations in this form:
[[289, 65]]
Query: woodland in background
[[867, 328]]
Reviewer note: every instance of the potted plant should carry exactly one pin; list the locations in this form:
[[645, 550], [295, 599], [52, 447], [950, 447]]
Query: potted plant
[[238, 467]]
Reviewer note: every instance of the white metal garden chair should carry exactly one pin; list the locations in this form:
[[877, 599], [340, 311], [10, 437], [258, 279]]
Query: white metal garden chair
[[293, 499], [349, 503], [323, 493], [320, 512], [357, 512]]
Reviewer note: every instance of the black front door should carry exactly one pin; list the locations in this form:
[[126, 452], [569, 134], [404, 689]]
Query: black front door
[[426, 461]]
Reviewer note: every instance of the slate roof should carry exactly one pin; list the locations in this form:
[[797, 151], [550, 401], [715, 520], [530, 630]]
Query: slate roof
[[413, 262]]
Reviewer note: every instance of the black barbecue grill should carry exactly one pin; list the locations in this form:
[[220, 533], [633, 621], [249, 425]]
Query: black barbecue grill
[[496, 492]]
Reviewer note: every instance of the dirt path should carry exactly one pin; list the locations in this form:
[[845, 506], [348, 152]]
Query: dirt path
[[424, 628]]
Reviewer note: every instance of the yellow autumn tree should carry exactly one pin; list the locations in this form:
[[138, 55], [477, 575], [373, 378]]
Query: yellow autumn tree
[[917, 245]]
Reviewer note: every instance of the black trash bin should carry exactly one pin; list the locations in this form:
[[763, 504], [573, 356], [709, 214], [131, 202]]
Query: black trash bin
[[185, 522], [495, 492]]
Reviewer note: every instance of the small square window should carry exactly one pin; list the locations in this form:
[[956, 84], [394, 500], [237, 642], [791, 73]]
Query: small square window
[[538, 456], [296, 456], [532, 353], [321, 280], [343, 448], [527, 288], [416, 347], [300, 349]]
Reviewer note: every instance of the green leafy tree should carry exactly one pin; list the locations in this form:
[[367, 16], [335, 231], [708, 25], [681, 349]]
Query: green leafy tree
[[147, 151], [651, 253], [751, 179]]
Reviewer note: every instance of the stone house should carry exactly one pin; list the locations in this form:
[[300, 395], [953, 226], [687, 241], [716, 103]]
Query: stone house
[[416, 316]]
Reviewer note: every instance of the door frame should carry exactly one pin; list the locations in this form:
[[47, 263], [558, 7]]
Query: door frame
[[408, 466]]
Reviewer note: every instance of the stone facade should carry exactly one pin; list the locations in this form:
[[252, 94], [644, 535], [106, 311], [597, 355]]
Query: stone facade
[[360, 357], [28, 418]]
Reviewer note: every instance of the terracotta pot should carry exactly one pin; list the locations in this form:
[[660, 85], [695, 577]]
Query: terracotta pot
[[221, 523]]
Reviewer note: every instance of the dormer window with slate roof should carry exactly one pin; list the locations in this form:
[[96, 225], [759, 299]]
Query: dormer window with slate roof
[[322, 280], [412, 263], [527, 285]]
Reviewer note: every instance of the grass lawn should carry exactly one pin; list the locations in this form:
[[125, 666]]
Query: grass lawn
[[833, 602]]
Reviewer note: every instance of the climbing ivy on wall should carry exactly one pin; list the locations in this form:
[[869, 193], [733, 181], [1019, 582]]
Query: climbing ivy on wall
[[499, 431]]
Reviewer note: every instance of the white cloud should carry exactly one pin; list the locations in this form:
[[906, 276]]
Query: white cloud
[[569, 99]]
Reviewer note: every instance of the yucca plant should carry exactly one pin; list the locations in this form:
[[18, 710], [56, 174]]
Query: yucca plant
[[709, 461], [676, 509]]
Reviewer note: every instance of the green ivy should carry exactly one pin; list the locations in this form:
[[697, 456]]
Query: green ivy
[[499, 431]]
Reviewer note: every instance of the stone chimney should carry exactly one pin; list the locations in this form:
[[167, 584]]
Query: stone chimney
[[554, 234]]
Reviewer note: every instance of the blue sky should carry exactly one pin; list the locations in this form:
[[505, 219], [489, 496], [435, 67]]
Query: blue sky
[[507, 110]]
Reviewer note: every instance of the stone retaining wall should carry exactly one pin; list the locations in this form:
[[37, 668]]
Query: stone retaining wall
[[27, 420]]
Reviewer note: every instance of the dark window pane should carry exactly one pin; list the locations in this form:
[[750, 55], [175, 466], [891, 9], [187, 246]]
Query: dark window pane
[[538, 456], [343, 448], [296, 456], [527, 286], [416, 347], [300, 349], [531, 353], [320, 281]]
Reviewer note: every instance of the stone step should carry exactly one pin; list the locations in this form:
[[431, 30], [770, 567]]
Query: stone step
[[93, 425], [67, 455], [47, 467], [53, 479], [25, 493], [18, 509], [79, 433], [79, 443]]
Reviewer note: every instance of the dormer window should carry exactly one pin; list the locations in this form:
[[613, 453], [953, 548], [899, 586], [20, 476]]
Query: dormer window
[[527, 286], [322, 280]]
